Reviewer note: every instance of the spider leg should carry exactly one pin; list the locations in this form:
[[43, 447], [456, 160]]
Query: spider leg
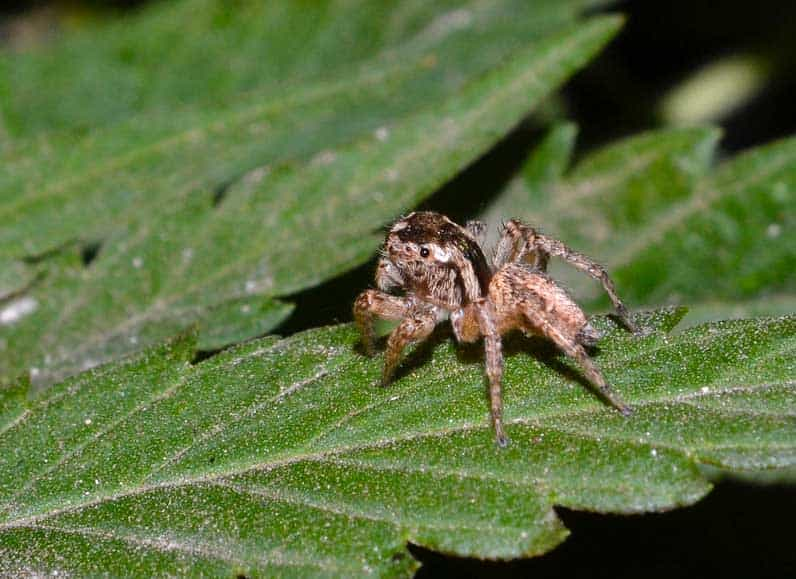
[[507, 247], [465, 324], [477, 229], [494, 365], [373, 303], [570, 346], [513, 247], [537, 248], [416, 327]]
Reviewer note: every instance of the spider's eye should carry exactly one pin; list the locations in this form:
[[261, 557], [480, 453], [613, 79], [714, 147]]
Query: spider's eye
[[424, 252]]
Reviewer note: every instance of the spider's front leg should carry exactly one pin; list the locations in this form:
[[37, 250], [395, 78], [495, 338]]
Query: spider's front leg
[[417, 322], [373, 303], [521, 243], [415, 327], [485, 315]]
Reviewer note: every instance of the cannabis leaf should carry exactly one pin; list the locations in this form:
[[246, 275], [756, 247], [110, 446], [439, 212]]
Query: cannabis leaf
[[668, 225], [136, 62], [209, 216], [283, 456]]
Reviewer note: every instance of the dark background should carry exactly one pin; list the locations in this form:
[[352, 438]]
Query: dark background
[[741, 529]]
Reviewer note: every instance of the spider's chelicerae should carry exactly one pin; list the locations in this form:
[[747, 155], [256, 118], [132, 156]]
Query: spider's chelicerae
[[441, 271]]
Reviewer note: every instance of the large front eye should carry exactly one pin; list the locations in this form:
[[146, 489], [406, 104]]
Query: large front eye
[[424, 252]]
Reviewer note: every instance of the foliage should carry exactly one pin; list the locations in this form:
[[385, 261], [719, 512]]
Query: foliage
[[285, 457], [203, 219], [668, 225], [152, 216]]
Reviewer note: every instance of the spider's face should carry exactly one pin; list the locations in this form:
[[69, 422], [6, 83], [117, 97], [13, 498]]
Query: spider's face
[[420, 242], [437, 258]]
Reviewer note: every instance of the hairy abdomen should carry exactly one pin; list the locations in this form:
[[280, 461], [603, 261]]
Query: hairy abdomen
[[518, 291]]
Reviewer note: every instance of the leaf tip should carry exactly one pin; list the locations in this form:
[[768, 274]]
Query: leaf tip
[[660, 320], [610, 23], [182, 346]]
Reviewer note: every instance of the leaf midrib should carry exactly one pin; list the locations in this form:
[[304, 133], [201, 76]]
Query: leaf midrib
[[278, 346], [322, 91], [540, 421], [705, 194]]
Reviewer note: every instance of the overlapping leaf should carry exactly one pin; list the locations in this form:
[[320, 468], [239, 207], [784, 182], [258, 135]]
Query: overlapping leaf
[[120, 67], [668, 226], [171, 255], [285, 457]]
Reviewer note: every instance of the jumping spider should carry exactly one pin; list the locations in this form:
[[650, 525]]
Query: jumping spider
[[442, 271]]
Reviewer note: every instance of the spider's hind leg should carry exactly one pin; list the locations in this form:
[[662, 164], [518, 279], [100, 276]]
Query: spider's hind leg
[[576, 351], [588, 336], [536, 304], [573, 347]]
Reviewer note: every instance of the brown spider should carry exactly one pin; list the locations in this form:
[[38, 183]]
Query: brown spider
[[442, 271]]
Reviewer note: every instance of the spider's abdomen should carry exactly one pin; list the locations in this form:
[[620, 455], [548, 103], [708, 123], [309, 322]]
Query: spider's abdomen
[[520, 294]]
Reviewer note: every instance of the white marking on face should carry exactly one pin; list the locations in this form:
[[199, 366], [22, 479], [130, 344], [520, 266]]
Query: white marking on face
[[399, 226], [441, 255]]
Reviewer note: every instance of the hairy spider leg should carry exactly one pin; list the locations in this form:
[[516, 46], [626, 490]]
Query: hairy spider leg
[[521, 243], [513, 248], [416, 327], [477, 229], [470, 323], [493, 348], [539, 322], [372, 303], [417, 322]]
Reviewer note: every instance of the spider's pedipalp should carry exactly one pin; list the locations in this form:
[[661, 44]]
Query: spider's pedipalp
[[388, 277]]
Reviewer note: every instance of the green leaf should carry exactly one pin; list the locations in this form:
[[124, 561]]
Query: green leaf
[[114, 70], [13, 404], [15, 278], [297, 206], [767, 305], [283, 456], [669, 226]]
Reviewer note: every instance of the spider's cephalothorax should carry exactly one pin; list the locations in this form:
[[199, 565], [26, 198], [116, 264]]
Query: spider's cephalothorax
[[441, 271]]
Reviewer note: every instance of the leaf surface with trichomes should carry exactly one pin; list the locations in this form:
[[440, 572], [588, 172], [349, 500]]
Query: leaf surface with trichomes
[[284, 457]]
